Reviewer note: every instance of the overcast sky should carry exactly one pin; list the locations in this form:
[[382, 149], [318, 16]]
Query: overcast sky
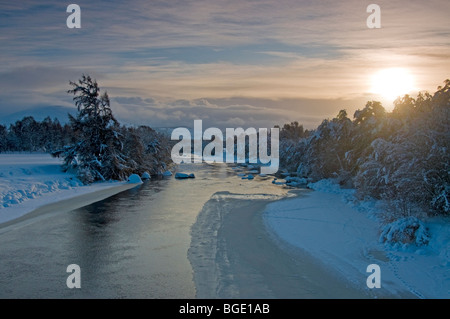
[[231, 63]]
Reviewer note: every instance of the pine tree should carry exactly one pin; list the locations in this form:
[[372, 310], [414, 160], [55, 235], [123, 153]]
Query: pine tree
[[97, 152]]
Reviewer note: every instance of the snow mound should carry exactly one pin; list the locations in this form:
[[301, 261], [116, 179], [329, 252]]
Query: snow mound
[[134, 179], [34, 189], [28, 176], [146, 175], [184, 176], [278, 183], [407, 230]]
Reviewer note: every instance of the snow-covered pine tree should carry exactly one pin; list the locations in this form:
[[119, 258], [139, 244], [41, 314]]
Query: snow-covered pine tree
[[409, 166], [97, 153]]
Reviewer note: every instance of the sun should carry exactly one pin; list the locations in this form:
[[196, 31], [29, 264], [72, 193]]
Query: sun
[[392, 83]]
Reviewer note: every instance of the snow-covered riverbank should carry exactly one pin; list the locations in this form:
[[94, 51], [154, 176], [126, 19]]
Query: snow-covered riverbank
[[345, 238], [30, 181]]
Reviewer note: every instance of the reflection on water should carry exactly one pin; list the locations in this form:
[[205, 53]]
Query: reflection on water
[[131, 245]]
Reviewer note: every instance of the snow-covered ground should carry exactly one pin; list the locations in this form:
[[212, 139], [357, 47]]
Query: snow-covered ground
[[344, 236], [29, 181]]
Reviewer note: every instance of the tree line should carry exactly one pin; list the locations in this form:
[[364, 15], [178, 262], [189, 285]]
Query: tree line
[[29, 135], [400, 157]]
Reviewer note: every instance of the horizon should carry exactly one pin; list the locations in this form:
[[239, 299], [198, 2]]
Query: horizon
[[239, 64]]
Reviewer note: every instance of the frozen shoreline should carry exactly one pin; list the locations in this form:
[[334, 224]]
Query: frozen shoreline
[[314, 245], [234, 255], [345, 240], [67, 201], [31, 184]]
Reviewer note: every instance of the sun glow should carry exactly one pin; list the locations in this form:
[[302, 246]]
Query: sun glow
[[392, 83]]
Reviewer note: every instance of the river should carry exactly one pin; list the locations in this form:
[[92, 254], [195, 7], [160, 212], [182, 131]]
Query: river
[[131, 245]]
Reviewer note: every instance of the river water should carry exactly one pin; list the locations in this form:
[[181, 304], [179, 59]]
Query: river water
[[131, 245]]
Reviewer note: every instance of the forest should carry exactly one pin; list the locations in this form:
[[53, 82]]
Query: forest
[[399, 157]]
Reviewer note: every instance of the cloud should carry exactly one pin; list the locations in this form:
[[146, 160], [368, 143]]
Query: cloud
[[234, 112], [36, 77], [172, 61]]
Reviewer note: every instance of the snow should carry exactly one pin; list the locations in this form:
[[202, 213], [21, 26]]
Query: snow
[[326, 223], [276, 182], [134, 179], [405, 230], [345, 237], [167, 173], [296, 181], [29, 181], [179, 175], [146, 175]]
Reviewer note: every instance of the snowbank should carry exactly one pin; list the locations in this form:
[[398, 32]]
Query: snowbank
[[146, 175], [27, 176], [344, 236], [134, 179], [29, 181]]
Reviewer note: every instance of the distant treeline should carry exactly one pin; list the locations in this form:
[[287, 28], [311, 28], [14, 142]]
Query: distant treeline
[[401, 157], [29, 135]]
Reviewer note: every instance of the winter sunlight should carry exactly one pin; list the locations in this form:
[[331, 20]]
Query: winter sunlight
[[392, 83]]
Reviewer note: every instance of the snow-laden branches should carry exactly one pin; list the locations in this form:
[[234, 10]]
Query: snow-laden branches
[[400, 157], [104, 150]]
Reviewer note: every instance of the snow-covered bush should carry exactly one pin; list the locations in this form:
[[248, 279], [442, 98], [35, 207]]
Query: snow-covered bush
[[407, 230], [145, 175], [134, 179]]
